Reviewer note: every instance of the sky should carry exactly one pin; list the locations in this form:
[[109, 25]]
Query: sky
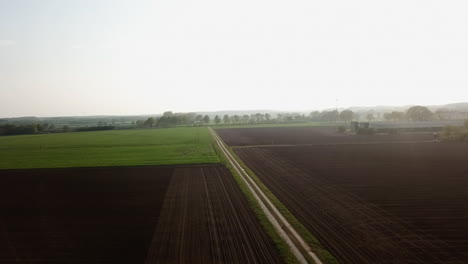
[[115, 57]]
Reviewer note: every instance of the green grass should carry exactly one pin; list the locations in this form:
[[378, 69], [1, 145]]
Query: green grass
[[324, 255], [184, 145]]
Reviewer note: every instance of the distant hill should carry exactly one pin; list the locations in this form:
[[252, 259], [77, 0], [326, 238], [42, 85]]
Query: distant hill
[[456, 106], [462, 107]]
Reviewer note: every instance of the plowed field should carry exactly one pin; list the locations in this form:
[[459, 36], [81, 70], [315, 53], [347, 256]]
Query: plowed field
[[307, 135], [373, 203], [370, 204], [194, 214]]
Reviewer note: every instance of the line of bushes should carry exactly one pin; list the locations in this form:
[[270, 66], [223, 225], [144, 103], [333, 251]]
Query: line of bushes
[[458, 134], [95, 128]]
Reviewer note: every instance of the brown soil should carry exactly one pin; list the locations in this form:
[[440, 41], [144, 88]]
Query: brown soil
[[308, 135], [189, 214], [206, 219], [382, 203]]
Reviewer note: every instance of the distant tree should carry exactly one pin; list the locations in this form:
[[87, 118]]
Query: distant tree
[[168, 114], [149, 122], [206, 119], [65, 129], [347, 115], [259, 117], [245, 119], [419, 113], [280, 117], [199, 118], [226, 119], [217, 120], [370, 117], [237, 119], [330, 115], [139, 123], [397, 116], [267, 117], [34, 128], [314, 116]]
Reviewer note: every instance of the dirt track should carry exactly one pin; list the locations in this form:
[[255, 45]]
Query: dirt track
[[189, 214]]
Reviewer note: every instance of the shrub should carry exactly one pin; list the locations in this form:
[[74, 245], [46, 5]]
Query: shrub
[[451, 133]]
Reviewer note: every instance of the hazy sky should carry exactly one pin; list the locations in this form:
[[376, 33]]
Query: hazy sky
[[134, 57]]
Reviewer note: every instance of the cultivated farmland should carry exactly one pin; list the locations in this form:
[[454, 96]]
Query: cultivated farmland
[[150, 214], [308, 135], [367, 203], [184, 145]]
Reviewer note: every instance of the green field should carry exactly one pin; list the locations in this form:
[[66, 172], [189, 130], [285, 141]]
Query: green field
[[185, 145]]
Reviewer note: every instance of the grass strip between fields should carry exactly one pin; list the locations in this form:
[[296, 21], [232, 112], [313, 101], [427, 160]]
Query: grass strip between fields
[[324, 255]]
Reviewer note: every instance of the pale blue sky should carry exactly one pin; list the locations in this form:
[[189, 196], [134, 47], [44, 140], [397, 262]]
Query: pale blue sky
[[135, 57]]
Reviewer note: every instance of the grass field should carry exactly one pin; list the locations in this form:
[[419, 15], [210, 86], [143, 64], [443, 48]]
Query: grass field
[[185, 145]]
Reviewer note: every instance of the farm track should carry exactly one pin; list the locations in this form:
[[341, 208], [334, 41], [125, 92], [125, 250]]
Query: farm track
[[206, 219], [298, 246]]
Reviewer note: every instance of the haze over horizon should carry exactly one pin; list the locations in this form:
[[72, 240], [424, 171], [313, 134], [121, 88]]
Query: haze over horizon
[[103, 57]]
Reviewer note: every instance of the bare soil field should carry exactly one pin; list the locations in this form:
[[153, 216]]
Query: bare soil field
[[373, 203], [206, 219], [154, 214], [308, 135]]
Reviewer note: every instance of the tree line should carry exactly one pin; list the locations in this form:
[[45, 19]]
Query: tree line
[[45, 128], [170, 119], [414, 113], [23, 129]]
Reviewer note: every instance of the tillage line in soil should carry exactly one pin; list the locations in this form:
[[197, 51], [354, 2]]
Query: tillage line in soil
[[332, 221]]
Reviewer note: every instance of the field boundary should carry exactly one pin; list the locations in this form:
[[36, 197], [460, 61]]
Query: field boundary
[[300, 248]]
